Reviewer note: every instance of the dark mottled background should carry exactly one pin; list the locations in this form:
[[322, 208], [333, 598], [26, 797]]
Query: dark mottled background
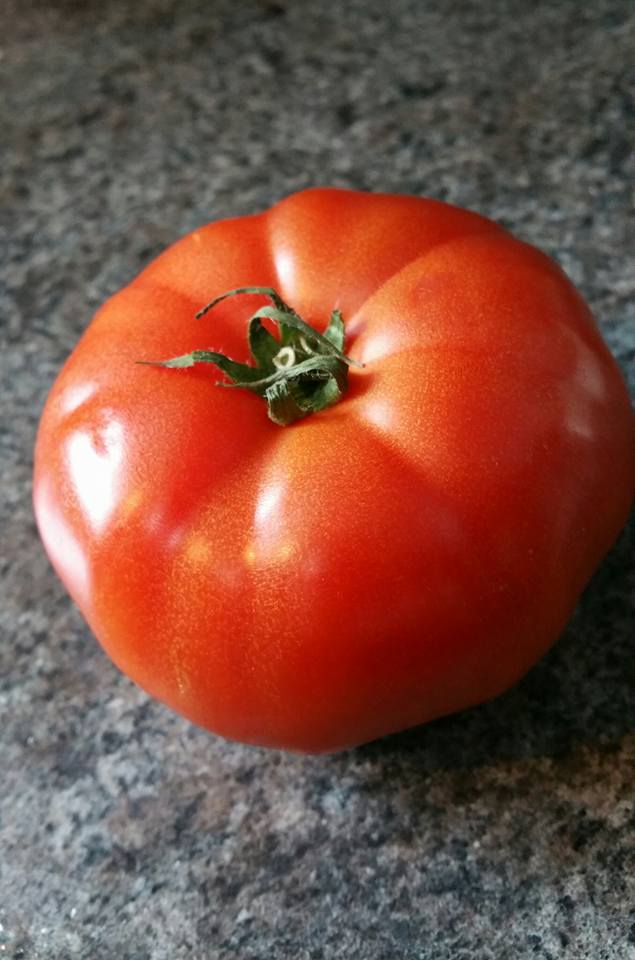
[[503, 833]]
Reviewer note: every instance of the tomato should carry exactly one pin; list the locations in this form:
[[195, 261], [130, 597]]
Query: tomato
[[407, 552]]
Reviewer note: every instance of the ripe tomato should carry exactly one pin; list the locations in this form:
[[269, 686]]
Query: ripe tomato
[[405, 553]]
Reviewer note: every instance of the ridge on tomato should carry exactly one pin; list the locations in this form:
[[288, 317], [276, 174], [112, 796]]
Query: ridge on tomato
[[408, 550]]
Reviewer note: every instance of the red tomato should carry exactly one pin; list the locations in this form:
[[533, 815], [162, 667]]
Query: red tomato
[[406, 553]]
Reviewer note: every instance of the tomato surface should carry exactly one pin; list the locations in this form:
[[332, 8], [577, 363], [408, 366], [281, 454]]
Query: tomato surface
[[408, 552]]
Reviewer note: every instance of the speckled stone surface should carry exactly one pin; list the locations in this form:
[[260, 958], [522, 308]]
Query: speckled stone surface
[[506, 832]]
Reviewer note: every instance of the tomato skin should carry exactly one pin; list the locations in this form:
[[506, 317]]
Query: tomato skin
[[405, 554]]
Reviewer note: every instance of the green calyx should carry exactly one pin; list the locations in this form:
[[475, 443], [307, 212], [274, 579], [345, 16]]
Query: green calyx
[[299, 372]]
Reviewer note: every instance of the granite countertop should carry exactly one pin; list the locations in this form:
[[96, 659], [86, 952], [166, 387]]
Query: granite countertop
[[505, 832]]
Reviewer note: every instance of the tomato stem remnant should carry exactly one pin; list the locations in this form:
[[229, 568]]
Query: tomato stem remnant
[[299, 372]]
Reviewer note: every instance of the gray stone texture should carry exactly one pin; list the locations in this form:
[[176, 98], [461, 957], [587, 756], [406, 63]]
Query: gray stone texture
[[504, 833]]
